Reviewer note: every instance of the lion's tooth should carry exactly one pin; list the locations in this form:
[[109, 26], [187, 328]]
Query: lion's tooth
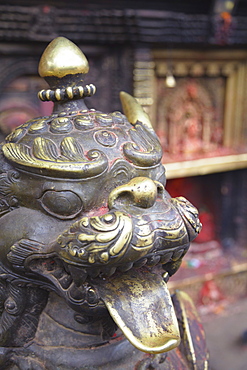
[[65, 281], [93, 273], [58, 273], [79, 275], [140, 263], [166, 257], [154, 260], [177, 254], [92, 296], [76, 293], [125, 267], [109, 271]]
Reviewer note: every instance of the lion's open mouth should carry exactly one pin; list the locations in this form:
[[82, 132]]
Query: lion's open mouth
[[75, 283], [113, 261], [137, 300]]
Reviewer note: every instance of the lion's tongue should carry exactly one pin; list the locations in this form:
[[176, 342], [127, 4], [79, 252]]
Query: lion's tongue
[[141, 306]]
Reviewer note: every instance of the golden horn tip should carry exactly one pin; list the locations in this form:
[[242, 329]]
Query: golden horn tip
[[62, 57], [133, 110]]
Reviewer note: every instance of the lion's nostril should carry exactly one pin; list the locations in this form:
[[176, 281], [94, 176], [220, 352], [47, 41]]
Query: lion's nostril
[[140, 191]]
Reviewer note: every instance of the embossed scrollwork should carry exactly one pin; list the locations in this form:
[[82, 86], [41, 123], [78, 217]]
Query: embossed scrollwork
[[92, 237], [145, 150], [68, 160], [97, 239], [8, 200]]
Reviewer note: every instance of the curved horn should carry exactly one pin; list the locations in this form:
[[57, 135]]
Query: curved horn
[[133, 110]]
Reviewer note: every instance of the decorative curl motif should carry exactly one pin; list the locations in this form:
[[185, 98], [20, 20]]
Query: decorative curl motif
[[189, 214], [148, 152], [8, 201], [97, 239], [69, 159]]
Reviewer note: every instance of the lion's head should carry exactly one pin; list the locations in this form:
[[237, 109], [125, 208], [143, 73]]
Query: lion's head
[[90, 218]]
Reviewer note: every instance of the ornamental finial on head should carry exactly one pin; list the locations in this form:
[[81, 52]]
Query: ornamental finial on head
[[63, 65]]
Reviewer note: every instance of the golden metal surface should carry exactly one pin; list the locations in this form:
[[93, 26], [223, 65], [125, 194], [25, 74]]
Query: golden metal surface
[[182, 297], [142, 190], [99, 238], [140, 304], [192, 334], [62, 57], [109, 232], [46, 155], [95, 252], [133, 110]]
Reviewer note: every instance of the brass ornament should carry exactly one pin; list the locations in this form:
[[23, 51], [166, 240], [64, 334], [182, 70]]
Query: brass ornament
[[61, 58], [134, 111], [155, 329], [90, 236], [71, 93], [46, 157]]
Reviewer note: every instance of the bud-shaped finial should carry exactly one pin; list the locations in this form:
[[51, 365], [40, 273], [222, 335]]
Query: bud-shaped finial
[[62, 57], [63, 65]]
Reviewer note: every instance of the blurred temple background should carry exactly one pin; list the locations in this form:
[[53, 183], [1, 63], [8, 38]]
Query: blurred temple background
[[186, 63]]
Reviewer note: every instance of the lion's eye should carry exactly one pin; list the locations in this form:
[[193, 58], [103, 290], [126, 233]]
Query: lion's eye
[[61, 204]]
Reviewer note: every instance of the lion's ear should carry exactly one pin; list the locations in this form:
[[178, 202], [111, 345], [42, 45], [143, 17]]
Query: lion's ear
[[22, 249]]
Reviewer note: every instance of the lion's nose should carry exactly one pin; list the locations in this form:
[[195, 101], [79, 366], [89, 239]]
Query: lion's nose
[[140, 191]]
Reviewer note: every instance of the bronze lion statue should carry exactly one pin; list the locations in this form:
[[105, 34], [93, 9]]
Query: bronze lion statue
[[90, 237]]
